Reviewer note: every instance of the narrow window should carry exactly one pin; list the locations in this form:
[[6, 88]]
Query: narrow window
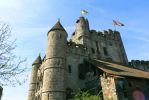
[[93, 51], [105, 51], [69, 69]]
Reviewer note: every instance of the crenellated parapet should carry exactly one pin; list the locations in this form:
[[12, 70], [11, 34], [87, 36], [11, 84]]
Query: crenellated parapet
[[109, 39], [106, 35], [140, 64]]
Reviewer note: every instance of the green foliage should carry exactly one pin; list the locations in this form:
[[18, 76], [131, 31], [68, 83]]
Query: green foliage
[[86, 96]]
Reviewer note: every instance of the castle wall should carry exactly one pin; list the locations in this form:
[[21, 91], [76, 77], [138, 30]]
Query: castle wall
[[140, 64], [100, 45], [39, 84], [82, 75], [75, 55], [107, 45]]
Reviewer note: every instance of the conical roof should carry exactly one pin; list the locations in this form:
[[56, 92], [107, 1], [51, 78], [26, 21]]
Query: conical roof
[[57, 26], [38, 60]]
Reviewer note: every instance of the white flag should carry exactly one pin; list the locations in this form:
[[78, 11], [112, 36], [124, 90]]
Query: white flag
[[84, 12]]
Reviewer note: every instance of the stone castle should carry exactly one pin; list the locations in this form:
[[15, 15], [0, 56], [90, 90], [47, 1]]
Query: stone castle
[[89, 60]]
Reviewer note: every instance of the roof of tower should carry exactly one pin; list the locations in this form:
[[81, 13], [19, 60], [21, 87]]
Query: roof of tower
[[57, 26], [38, 60]]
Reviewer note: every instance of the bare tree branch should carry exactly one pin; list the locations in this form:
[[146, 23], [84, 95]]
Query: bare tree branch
[[11, 66]]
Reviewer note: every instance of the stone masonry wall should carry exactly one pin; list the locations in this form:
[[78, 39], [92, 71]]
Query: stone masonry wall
[[140, 64], [108, 88]]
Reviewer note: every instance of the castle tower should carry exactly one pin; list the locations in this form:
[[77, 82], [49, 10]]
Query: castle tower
[[81, 35], [122, 53], [33, 81], [53, 79]]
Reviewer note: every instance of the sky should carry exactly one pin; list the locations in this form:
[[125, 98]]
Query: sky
[[30, 20]]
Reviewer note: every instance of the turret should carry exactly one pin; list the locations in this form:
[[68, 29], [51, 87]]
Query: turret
[[119, 42], [33, 81], [54, 69], [81, 35]]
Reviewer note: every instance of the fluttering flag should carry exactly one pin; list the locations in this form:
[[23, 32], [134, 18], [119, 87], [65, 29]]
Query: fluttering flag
[[115, 22], [84, 12]]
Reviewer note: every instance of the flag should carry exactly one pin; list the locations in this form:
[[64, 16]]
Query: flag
[[115, 22], [84, 12]]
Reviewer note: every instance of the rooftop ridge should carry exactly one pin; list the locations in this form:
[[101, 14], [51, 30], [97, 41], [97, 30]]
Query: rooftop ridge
[[57, 26]]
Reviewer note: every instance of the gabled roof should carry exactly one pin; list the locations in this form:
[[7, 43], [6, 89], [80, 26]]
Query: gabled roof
[[38, 60], [57, 26], [119, 70]]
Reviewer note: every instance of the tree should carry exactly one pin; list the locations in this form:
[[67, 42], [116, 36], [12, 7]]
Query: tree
[[11, 66]]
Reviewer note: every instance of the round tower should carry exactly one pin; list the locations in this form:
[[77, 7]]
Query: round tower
[[53, 79], [33, 79], [82, 31]]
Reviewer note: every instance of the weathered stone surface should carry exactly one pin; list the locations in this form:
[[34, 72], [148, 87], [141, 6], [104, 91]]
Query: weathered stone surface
[[33, 82], [60, 68], [108, 88]]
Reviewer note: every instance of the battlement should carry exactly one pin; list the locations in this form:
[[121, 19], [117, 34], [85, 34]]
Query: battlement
[[140, 64], [106, 34]]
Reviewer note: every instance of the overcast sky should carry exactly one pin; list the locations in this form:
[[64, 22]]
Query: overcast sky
[[30, 21]]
